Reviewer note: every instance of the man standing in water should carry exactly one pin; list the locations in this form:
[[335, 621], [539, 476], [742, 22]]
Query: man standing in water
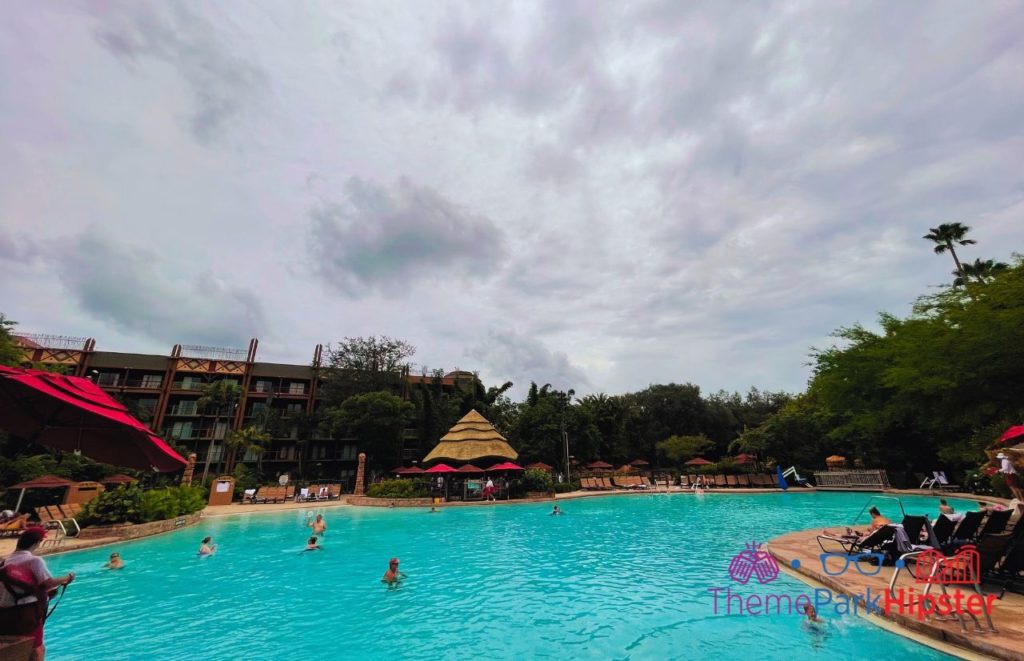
[[392, 576], [23, 597], [318, 525]]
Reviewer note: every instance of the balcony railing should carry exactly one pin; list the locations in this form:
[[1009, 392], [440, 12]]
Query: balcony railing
[[188, 385], [282, 390], [183, 411], [148, 384]]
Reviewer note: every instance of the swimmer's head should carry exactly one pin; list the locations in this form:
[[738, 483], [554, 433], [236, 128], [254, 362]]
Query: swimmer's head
[[319, 517], [393, 562], [312, 540], [874, 512], [115, 556], [207, 540]]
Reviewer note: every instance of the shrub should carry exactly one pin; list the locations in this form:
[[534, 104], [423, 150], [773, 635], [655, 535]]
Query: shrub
[[537, 480], [131, 504], [566, 487], [397, 489]]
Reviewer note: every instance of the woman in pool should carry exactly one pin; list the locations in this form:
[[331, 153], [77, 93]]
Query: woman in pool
[[392, 576], [206, 548], [312, 545], [115, 562]]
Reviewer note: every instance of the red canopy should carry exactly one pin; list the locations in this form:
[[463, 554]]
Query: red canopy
[[441, 468], [1012, 432], [44, 482], [507, 466], [411, 470], [470, 468], [744, 459], [599, 464], [639, 462], [73, 414], [699, 461], [540, 465]]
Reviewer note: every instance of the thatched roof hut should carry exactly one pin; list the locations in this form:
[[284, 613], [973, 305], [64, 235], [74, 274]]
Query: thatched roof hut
[[472, 438]]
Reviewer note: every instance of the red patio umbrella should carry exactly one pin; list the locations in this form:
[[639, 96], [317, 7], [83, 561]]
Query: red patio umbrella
[[441, 468], [540, 465], [73, 414], [470, 468], [599, 465], [1011, 433], [744, 459], [699, 461], [639, 462], [411, 470], [41, 482], [507, 466]]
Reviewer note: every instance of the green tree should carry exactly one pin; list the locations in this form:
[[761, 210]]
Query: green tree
[[364, 364], [377, 419], [981, 270], [250, 439], [946, 237], [11, 353], [679, 449], [218, 398]]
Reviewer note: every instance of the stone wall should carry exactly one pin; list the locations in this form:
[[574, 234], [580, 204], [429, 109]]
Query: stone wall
[[366, 501], [135, 530]]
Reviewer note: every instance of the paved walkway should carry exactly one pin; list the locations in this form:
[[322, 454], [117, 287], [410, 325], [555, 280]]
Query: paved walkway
[[1007, 613]]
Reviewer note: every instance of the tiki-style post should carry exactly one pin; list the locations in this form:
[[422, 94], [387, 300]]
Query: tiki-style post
[[190, 468], [360, 475]]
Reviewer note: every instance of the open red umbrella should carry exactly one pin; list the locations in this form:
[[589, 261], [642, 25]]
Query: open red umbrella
[[639, 462], [411, 470], [441, 468], [744, 459], [73, 414], [699, 461], [507, 466], [470, 468], [599, 465], [1011, 433], [540, 465]]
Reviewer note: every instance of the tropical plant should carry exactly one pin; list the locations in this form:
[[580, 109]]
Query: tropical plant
[[250, 439], [133, 504], [980, 270], [678, 449], [377, 419], [10, 353], [946, 237], [538, 480], [397, 489], [219, 397]]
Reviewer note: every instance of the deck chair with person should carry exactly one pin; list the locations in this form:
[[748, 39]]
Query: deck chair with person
[[879, 541]]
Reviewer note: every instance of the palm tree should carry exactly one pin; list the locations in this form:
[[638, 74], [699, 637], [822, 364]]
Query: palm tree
[[947, 235], [220, 397], [983, 271], [251, 439]]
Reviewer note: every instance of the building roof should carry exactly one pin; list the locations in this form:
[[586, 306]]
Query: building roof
[[472, 437], [136, 361], [283, 370]]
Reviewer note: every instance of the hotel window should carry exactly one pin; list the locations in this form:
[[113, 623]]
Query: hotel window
[[231, 382], [191, 383], [296, 388], [293, 408], [264, 386], [258, 408], [108, 379], [186, 408], [181, 430], [152, 380], [220, 430]]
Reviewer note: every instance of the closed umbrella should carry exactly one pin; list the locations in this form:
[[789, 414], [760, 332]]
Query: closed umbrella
[[75, 415]]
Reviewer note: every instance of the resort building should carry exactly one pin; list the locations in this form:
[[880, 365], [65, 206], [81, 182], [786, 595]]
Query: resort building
[[164, 391]]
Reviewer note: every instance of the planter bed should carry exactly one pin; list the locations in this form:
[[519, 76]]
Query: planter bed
[[136, 530]]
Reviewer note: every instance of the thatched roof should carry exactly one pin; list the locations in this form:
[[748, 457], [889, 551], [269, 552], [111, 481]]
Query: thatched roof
[[470, 439]]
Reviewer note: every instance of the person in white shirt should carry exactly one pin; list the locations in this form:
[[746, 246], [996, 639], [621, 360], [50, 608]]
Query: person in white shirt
[[23, 611], [1009, 472]]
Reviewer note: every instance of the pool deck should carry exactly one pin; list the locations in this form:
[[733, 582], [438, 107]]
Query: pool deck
[[1007, 613]]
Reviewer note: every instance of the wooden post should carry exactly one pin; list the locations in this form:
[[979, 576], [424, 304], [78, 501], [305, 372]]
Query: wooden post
[[186, 477], [360, 488]]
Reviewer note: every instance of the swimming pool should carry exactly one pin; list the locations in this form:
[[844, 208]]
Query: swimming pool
[[615, 577]]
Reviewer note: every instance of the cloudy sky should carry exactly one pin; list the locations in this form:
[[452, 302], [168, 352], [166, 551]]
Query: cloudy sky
[[595, 195]]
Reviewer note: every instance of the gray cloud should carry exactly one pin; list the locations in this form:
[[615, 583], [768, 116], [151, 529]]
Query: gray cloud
[[387, 239], [17, 248], [223, 85], [135, 290], [507, 355]]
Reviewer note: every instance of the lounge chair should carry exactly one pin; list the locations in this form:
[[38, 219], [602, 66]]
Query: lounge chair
[[730, 480], [879, 541], [968, 528], [940, 479], [50, 521], [995, 523], [333, 491], [645, 483], [249, 495], [928, 483], [67, 513], [743, 481], [720, 481], [944, 527], [13, 527]]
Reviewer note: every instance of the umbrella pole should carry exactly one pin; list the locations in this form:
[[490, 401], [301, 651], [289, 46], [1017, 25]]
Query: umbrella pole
[[20, 497]]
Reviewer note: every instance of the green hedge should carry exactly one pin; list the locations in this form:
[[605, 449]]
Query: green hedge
[[566, 487], [132, 504], [397, 489]]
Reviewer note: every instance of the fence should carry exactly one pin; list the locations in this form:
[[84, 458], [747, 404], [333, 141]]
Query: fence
[[846, 479]]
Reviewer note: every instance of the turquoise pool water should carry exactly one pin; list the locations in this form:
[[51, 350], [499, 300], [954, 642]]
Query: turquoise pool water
[[614, 578]]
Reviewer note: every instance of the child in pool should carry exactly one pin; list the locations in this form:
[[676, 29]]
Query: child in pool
[[206, 548], [313, 545]]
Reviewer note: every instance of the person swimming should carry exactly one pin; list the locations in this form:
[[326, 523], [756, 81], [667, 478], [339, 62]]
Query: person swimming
[[115, 562], [206, 548], [556, 511], [318, 525], [392, 576], [433, 510], [811, 613], [313, 544]]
